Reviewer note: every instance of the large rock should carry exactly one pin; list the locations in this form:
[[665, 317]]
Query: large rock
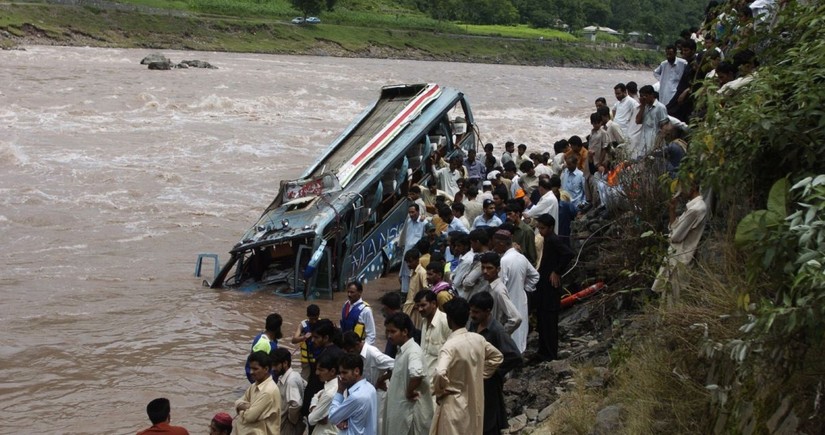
[[608, 421], [161, 65], [198, 64], [155, 57], [561, 367], [517, 423], [548, 410]]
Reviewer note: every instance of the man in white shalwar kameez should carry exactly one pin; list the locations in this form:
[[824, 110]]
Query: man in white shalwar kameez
[[410, 406], [327, 370], [685, 234], [520, 277]]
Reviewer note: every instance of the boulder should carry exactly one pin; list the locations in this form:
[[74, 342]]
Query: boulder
[[182, 66], [517, 423], [548, 410], [155, 57], [514, 386], [161, 65], [198, 64], [561, 367]]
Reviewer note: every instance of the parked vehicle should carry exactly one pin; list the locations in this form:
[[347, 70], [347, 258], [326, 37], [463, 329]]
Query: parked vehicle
[[340, 221], [313, 20], [298, 20]]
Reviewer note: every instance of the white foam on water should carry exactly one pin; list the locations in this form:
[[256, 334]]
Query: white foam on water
[[12, 154], [142, 237], [61, 248]]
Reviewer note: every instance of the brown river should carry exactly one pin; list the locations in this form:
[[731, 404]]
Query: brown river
[[113, 178]]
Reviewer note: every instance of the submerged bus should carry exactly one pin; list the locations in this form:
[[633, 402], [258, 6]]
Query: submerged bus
[[339, 222]]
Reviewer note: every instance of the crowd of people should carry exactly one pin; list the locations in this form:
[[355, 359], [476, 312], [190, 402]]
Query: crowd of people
[[487, 242]]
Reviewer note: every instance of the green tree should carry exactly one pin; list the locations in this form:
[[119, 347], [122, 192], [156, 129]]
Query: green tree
[[488, 12], [308, 7], [596, 12], [571, 12], [441, 9], [537, 13]]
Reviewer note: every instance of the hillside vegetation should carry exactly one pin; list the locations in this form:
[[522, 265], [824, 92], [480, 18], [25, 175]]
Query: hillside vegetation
[[742, 351], [353, 28]]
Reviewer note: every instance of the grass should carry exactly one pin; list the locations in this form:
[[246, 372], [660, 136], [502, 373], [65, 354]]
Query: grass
[[520, 31], [241, 8], [181, 5], [577, 407], [249, 26]]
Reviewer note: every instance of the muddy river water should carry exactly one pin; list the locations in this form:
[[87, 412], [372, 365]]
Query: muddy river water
[[113, 178]]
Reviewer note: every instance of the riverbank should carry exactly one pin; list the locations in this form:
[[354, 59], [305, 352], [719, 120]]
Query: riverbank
[[103, 24]]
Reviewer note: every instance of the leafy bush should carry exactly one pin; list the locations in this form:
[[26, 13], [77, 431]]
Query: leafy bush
[[775, 126]]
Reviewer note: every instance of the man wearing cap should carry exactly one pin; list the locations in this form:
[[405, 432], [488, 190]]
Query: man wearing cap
[[221, 424], [486, 191], [493, 177], [520, 277], [488, 218]]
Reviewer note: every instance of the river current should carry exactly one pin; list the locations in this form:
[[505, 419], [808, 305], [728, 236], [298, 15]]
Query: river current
[[113, 178]]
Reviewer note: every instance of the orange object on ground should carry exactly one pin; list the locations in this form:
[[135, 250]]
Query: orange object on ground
[[569, 300]]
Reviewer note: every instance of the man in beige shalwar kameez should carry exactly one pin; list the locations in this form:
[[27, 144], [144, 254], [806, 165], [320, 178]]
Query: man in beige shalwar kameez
[[259, 410], [465, 360]]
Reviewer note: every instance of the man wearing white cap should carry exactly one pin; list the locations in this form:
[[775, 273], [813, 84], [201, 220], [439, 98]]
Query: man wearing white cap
[[487, 191]]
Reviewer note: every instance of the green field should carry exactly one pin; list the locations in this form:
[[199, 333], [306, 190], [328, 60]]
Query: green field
[[371, 30], [520, 31]]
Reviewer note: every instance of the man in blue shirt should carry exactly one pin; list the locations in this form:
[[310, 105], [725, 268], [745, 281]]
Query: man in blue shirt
[[266, 341], [475, 169], [358, 413], [573, 180]]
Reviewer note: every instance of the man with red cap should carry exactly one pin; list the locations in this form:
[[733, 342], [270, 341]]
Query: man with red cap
[[221, 424]]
